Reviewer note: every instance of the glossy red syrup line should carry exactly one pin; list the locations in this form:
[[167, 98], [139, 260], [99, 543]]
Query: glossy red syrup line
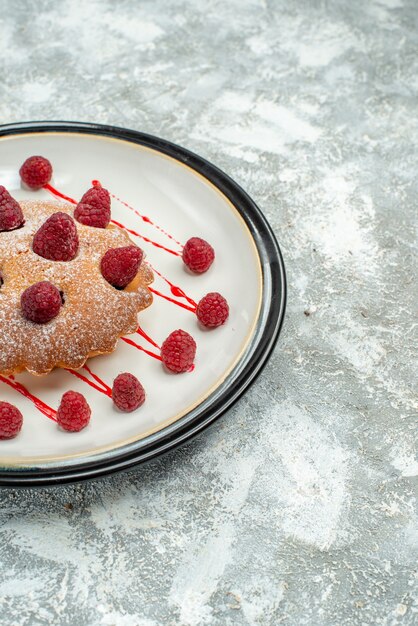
[[89, 382], [183, 306], [57, 193], [143, 334], [40, 405], [97, 379], [175, 290], [136, 345], [147, 239], [144, 218]]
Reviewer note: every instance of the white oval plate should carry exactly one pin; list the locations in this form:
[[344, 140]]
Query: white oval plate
[[184, 196]]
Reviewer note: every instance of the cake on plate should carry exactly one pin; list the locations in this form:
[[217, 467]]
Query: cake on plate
[[99, 274]]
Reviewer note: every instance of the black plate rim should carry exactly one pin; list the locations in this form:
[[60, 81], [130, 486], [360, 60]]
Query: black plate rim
[[259, 351]]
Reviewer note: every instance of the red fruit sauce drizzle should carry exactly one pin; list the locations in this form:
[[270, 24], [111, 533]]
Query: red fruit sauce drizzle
[[99, 380], [138, 347], [177, 291], [102, 386], [97, 183], [143, 334], [40, 405], [162, 295], [57, 193], [154, 243]]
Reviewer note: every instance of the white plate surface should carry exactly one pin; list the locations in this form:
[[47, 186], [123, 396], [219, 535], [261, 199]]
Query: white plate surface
[[185, 204]]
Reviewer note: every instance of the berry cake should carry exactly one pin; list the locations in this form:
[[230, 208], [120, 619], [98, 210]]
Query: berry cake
[[37, 331]]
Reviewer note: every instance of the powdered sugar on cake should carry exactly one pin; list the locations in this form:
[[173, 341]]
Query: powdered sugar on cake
[[94, 314]]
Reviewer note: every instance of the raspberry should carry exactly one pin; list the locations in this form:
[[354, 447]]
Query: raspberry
[[41, 302], [178, 351], [36, 172], [57, 238], [73, 413], [94, 208], [119, 266], [11, 420], [11, 215], [212, 310], [198, 255], [127, 392]]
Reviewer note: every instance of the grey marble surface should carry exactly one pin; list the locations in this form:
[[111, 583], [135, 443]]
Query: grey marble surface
[[300, 506]]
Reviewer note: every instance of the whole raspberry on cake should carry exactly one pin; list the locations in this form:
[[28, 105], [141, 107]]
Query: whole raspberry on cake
[[92, 314]]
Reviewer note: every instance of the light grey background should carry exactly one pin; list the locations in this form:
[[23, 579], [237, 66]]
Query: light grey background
[[299, 507]]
